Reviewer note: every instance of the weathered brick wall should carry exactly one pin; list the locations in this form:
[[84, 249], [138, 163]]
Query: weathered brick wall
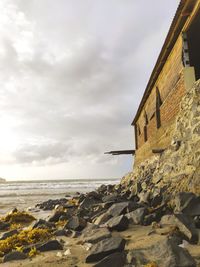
[[171, 87]]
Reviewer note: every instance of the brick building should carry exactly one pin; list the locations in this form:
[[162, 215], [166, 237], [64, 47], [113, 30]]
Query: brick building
[[177, 68]]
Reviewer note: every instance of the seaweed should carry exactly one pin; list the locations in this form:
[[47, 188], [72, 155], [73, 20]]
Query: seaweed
[[25, 237]]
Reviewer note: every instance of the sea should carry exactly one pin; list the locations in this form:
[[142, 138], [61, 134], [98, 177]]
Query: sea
[[26, 194]]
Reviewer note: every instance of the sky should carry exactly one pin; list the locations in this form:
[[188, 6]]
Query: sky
[[72, 74]]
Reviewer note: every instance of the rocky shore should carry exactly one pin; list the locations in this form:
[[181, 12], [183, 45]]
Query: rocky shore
[[111, 226]]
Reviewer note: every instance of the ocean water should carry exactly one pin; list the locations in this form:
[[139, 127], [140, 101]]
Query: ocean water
[[24, 194]]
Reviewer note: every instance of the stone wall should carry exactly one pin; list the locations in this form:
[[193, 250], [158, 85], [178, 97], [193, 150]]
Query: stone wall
[[178, 167]]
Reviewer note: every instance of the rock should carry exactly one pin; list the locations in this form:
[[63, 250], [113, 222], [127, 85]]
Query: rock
[[43, 224], [187, 203], [117, 259], [184, 223], [150, 218], [111, 198], [119, 223], [56, 216], [4, 226], [137, 216], [144, 197], [50, 245], [95, 195], [165, 253], [105, 248], [76, 223], [118, 209], [88, 202], [8, 234], [51, 203], [102, 218], [61, 232], [14, 255], [95, 235]]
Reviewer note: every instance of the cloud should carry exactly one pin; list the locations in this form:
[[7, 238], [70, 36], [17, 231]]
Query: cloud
[[72, 76]]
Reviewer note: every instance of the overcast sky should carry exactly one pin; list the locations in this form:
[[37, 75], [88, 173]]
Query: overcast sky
[[72, 74]]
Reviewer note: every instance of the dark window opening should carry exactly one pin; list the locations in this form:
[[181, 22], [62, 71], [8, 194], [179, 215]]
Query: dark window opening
[[158, 104], [193, 37], [139, 130], [145, 133], [136, 136], [146, 118]]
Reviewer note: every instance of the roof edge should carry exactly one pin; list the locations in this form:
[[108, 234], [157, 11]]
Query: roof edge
[[173, 33]]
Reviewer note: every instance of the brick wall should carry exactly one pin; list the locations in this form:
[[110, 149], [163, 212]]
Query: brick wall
[[171, 87]]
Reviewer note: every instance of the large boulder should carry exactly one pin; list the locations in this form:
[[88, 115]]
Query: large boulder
[[184, 223], [165, 253], [103, 218], [105, 248], [76, 223], [8, 234], [117, 259], [187, 203], [119, 223], [14, 255], [118, 209], [95, 235], [50, 245], [137, 216]]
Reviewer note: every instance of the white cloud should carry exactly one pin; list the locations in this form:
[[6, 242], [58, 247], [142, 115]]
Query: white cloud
[[71, 77]]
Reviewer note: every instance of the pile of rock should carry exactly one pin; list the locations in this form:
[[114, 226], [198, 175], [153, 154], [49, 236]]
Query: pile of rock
[[98, 218], [178, 167]]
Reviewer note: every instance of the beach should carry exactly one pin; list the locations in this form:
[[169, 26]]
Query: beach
[[108, 226], [26, 194]]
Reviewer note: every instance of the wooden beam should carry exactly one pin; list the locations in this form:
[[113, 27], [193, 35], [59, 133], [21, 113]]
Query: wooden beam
[[121, 152]]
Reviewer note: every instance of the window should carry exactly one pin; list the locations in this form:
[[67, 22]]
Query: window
[[145, 126], [158, 104]]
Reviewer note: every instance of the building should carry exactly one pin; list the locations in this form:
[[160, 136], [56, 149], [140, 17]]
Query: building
[[177, 68]]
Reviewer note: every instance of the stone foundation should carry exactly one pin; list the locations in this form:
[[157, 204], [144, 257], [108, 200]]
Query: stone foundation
[[178, 167]]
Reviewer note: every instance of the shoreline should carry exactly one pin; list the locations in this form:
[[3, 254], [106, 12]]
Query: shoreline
[[80, 222]]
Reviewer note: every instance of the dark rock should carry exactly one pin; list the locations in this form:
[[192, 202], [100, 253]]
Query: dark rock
[[14, 255], [4, 226], [165, 253], [61, 232], [117, 259], [95, 235], [184, 223], [51, 203], [111, 198], [43, 224], [76, 223], [103, 218], [105, 248], [118, 209], [56, 216], [50, 245], [197, 221], [95, 195], [137, 216], [119, 223], [8, 234], [88, 202], [148, 219], [156, 200], [187, 203]]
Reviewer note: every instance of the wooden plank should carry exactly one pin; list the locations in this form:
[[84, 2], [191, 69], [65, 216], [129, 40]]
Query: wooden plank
[[121, 152]]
